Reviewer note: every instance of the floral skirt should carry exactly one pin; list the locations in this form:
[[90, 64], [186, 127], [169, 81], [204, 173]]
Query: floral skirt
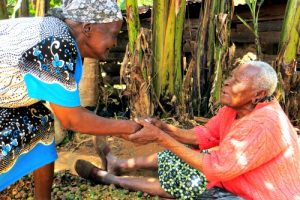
[[26, 141], [184, 182]]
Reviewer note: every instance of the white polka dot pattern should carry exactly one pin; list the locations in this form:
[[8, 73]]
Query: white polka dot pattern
[[23, 42]]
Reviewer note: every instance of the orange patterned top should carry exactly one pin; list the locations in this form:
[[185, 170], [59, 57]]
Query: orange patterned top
[[258, 155]]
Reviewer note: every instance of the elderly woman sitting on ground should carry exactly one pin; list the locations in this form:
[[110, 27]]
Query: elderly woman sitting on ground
[[257, 155]]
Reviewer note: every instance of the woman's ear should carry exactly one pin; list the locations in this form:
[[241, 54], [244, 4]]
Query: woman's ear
[[87, 29], [259, 95]]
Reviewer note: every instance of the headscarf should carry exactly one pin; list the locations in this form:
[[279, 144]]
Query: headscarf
[[91, 11]]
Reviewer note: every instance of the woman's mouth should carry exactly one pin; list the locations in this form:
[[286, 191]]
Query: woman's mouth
[[223, 92]]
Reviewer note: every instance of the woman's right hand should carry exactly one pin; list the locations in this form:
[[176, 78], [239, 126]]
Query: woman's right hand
[[167, 128], [148, 134], [186, 136]]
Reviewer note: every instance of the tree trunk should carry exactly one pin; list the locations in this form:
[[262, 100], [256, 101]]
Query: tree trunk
[[24, 10], [89, 83], [42, 7], [3, 10]]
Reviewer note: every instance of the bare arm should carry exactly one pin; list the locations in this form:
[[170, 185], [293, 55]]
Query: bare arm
[[82, 120], [150, 133], [186, 136], [192, 157]]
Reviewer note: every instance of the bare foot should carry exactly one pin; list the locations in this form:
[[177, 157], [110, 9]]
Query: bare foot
[[114, 164], [110, 163], [101, 176], [89, 171]]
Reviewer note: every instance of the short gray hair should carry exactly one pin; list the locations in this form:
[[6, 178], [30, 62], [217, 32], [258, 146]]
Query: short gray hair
[[266, 79]]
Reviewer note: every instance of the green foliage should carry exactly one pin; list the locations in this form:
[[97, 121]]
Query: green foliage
[[31, 10], [168, 20], [286, 60], [254, 6], [133, 23], [11, 4], [122, 3], [55, 3]]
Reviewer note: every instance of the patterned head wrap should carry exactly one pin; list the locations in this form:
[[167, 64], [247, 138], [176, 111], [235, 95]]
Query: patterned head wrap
[[92, 11]]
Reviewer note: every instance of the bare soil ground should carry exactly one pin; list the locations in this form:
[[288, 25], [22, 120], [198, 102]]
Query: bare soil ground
[[68, 185]]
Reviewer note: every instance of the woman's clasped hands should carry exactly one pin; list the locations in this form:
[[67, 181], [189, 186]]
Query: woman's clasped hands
[[152, 130]]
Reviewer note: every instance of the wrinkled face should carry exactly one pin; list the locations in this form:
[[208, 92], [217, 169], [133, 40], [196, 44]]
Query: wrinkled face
[[102, 38], [237, 91]]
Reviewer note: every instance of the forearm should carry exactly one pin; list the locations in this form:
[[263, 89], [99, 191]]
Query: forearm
[[81, 120], [193, 158], [96, 125], [186, 136]]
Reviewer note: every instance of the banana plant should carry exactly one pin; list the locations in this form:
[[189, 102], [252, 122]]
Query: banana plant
[[254, 6], [212, 56], [133, 22], [168, 20], [136, 66], [223, 54], [288, 91]]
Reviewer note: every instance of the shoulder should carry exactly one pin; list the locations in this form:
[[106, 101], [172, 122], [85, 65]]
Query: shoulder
[[20, 34], [31, 24], [268, 118], [268, 112]]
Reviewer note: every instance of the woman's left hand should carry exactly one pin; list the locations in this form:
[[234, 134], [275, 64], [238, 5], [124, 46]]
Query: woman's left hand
[[149, 133]]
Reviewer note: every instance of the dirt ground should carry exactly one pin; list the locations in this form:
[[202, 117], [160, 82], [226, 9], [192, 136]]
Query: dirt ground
[[69, 186], [84, 149]]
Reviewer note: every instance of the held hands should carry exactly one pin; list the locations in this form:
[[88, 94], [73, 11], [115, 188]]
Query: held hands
[[131, 126], [167, 128], [150, 132]]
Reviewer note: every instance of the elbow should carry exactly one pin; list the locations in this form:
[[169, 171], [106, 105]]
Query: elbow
[[218, 171], [66, 125], [70, 123], [71, 118], [219, 175]]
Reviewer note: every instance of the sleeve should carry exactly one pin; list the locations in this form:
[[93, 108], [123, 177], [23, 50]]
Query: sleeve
[[52, 71], [209, 135], [245, 148]]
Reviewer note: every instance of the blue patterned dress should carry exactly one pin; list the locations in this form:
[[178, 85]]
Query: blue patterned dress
[[39, 62]]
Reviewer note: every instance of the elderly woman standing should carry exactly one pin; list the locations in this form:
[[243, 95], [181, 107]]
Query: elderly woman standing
[[257, 154], [40, 60]]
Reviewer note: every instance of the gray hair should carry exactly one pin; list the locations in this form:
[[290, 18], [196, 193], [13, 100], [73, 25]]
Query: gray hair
[[266, 79]]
